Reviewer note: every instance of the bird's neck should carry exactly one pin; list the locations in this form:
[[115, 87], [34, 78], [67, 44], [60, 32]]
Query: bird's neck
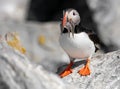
[[76, 29]]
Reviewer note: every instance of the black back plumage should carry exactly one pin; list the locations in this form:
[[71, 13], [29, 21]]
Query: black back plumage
[[79, 28], [93, 36]]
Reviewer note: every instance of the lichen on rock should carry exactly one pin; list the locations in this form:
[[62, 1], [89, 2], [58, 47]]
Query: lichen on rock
[[14, 41]]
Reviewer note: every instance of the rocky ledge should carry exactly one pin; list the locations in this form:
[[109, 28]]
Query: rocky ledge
[[105, 73], [17, 72]]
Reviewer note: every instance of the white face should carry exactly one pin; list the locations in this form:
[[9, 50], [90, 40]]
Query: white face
[[74, 16]]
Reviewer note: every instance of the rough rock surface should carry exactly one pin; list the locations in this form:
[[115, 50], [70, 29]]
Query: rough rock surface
[[47, 53], [16, 72], [105, 73], [106, 14]]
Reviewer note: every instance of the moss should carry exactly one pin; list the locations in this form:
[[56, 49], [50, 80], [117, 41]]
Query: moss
[[41, 40], [14, 42]]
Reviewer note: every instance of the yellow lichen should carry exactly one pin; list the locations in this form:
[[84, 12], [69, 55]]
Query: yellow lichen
[[41, 40], [14, 41]]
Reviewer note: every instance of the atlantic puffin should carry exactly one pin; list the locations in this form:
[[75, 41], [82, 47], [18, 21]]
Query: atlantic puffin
[[77, 41]]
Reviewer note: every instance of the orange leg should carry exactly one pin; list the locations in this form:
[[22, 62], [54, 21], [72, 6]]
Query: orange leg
[[85, 70], [67, 71]]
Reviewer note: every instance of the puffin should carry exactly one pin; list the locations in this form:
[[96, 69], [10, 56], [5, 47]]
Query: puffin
[[77, 41]]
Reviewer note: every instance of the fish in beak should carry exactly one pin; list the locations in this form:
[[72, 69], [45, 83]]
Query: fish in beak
[[67, 23]]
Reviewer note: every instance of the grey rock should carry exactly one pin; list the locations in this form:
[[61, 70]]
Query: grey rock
[[106, 14], [50, 54], [17, 72], [13, 10], [105, 72]]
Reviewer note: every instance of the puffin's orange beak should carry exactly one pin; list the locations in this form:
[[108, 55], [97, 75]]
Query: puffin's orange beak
[[64, 20], [67, 25]]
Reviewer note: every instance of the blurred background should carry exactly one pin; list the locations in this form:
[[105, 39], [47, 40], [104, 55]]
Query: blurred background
[[37, 22], [52, 10]]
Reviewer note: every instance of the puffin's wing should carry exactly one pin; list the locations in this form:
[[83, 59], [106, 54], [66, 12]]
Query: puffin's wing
[[93, 36]]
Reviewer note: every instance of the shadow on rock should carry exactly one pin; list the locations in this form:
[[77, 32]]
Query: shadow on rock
[[76, 64]]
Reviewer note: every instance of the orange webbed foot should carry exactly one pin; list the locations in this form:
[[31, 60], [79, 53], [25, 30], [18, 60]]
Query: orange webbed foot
[[67, 71], [85, 70]]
